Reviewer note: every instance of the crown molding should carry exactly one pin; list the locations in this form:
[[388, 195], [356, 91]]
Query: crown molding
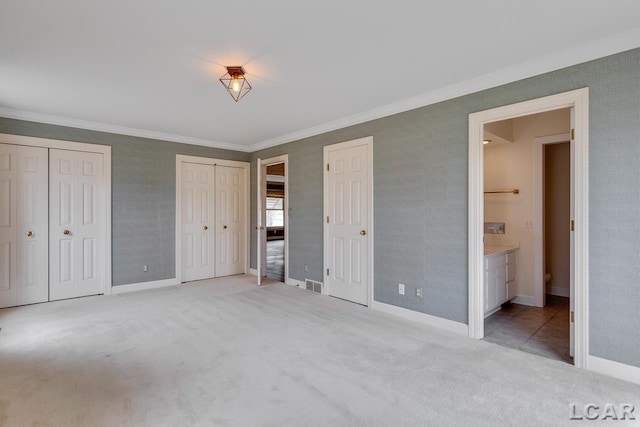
[[573, 56], [582, 53], [120, 130]]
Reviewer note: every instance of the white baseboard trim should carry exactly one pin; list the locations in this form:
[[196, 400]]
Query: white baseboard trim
[[613, 369], [561, 292], [425, 319], [253, 272], [524, 300], [294, 282], [132, 287]]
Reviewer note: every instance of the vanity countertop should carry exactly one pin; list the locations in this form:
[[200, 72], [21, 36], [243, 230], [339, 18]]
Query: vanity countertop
[[494, 249]]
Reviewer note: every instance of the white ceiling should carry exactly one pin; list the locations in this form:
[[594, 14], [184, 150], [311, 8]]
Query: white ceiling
[[151, 67]]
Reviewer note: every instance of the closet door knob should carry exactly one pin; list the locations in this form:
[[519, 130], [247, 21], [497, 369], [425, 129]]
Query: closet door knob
[[66, 232], [224, 226], [205, 228], [29, 233], [363, 233]]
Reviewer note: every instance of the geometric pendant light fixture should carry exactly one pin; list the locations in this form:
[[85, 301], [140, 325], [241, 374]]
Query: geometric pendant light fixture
[[235, 83]]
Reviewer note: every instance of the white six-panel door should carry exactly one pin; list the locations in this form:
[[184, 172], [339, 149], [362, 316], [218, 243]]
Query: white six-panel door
[[76, 224], [347, 239], [230, 224], [23, 225], [197, 221]]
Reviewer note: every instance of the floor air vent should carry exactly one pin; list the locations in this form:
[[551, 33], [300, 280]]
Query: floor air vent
[[313, 286]]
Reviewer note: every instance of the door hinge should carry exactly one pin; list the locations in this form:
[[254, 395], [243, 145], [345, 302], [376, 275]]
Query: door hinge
[[572, 317], [327, 219], [573, 225], [573, 134], [327, 167], [327, 271]]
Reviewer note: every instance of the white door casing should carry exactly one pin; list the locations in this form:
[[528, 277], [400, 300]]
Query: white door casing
[[579, 101], [262, 213], [23, 225], [572, 240], [230, 224], [198, 221], [76, 224], [348, 211]]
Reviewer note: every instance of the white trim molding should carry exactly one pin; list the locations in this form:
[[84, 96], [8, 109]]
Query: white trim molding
[[586, 52], [614, 369], [426, 319], [142, 286], [579, 101], [524, 300], [567, 58], [284, 159], [180, 159], [253, 272], [119, 130], [105, 150], [293, 282]]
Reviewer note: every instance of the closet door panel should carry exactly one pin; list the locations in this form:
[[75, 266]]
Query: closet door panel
[[77, 224], [23, 225]]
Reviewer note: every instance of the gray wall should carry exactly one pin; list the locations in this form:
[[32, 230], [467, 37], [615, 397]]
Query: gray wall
[[143, 195], [420, 199]]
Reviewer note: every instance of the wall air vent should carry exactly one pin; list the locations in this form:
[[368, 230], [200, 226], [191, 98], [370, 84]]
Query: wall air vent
[[313, 286]]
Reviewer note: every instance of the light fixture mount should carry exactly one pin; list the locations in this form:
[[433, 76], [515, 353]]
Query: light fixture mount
[[235, 83]]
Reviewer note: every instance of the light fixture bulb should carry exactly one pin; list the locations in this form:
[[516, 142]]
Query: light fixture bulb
[[486, 141], [235, 82], [235, 85]]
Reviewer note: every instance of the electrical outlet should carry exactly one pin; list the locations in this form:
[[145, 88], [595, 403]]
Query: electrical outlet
[[400, 288], [145, 268], [419, 292], [306, 268]]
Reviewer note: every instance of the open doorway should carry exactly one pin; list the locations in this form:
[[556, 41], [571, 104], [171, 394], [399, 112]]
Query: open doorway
[[274, 210], [527, 212], [578, 103], [273, 219]]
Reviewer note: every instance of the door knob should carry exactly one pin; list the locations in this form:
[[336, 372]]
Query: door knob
[[362, 232], [66, 232], [224, 226], [205, 228], [29, 233]]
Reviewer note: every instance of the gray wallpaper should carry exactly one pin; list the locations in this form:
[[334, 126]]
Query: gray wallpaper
[[420, 199], [143, 195]]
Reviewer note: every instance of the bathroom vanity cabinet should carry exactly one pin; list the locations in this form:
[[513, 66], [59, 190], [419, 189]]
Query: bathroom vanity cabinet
[[500, 270]]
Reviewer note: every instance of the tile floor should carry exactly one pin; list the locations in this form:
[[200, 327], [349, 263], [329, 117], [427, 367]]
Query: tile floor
[[538, 330]]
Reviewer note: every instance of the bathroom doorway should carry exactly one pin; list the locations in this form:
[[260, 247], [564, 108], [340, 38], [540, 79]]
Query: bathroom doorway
[[527, 168], [507, 257]]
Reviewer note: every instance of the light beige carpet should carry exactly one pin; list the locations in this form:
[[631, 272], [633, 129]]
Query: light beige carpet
[[227, 353]]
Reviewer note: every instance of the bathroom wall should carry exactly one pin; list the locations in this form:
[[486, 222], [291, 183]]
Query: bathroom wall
[[513, 165]]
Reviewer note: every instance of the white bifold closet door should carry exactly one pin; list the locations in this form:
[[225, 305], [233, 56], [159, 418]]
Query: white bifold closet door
[[230, 227], [197, 221], [23, 225], [76, 224], [212, 220]]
